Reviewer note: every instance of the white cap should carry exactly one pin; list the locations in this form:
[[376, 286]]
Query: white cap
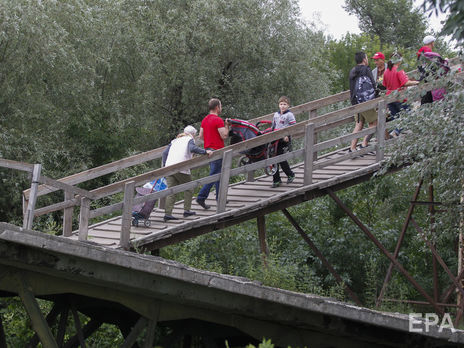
[[429, 39], [190, 130]]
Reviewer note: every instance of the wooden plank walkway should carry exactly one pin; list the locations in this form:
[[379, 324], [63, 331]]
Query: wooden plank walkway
[[246, 200]]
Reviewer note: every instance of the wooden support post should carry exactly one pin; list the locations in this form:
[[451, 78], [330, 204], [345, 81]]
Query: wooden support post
[[309, 154], [84, 218], [261, 222], [61, 331], [32, 307], [50, 319], [398, 244], [129, 188], [135, 332], [2, 334], [78, 325], [321, 257], [224, 181], [381, 126], [68, 215], [250, 176], [313, 114], [150, 336], [384, 251], [92, 326], [29, 217]]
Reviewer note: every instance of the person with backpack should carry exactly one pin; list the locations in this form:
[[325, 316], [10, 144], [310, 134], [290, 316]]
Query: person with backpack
[[361, 90], [394, 80]]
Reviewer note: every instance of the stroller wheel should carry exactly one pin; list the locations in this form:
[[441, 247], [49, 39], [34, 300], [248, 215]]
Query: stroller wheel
[[243, 161], [135, 222], [147, 223], [271, 170]]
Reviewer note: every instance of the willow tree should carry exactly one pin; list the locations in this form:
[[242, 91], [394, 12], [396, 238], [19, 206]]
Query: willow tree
[[395, 22]]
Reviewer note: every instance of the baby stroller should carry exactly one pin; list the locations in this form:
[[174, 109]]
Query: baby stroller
[[141, 212], [241, 130]]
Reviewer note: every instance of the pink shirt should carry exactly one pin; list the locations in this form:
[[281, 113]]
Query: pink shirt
[[393, 79]]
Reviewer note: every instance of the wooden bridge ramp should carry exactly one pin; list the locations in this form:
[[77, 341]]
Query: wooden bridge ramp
[[245, 200]]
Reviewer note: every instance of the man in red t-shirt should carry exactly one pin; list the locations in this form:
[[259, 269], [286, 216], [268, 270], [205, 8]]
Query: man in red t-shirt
[[213, 131]]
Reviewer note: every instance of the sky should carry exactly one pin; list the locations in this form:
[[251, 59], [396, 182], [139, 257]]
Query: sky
[[336, 21]]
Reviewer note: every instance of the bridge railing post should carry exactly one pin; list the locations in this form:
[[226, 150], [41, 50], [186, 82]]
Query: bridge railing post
[[129, 188], [84, 218], [309, 154], [29, 213], [224, 181], [381, 126], [313, 114], [67, 215]]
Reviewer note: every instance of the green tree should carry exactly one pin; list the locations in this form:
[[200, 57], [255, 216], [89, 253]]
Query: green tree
[[454, 24], [395, 22], [83, 83]]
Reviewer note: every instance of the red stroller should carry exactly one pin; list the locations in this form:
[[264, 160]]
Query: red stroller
[[241, 130]]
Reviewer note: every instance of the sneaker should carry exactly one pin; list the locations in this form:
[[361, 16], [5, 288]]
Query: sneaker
[[188, 213], [276, 184], [202, 203], [169, 218], [290, 179]]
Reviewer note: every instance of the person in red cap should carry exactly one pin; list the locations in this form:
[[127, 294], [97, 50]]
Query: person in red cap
[[380, 66]]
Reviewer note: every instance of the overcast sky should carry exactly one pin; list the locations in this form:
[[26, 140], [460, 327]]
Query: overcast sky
[[336, 21]]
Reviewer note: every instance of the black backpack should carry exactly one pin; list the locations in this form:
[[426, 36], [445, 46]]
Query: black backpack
[[364, 89]]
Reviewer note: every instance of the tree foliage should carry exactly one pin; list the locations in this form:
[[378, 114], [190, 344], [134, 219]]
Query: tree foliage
[[454, 23], [394, 22], [84, 83]]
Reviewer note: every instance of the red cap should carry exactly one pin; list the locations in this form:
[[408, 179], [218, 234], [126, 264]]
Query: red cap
[[378, 55]]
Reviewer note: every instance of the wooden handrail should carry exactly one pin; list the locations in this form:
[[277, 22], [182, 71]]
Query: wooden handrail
[[321, 122], [108, 168], [296, 131], [25, 167], [112, 167]]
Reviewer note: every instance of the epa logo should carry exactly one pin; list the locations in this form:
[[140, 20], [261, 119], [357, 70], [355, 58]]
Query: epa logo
[[418, 323]]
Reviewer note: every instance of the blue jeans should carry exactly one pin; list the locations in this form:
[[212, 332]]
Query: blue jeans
[[214, 168], [396, 107]]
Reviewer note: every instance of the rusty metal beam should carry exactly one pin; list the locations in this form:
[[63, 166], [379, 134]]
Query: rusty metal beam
[[432, 231], [447, 293], [437, 256], [321, 257], [384, 251], [398, 245]]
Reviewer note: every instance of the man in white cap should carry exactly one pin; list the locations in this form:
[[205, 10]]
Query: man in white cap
[[429, 42], [181, 149]]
